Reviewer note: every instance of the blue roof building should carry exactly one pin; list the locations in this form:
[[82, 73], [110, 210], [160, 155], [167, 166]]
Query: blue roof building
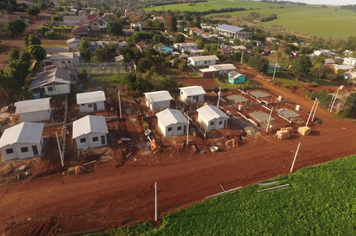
[[166, 49]]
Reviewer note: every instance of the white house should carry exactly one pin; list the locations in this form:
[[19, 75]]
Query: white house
[[349, 61], [34, 110], [63, 59], [90, 131], [74, 43], [158, 100], [211, 117], [196, 52], [203, 60], [172, 122], [192, 94], [91, 101], [221, 69], [185, 46], [235, 32], [54, 82], [22, 141]]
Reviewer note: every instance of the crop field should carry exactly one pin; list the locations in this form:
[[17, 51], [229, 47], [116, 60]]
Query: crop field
[[308, 20], [319, 201]]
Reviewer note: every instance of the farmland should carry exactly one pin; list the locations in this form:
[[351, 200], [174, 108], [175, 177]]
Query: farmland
[[318, 201], [307, 20]]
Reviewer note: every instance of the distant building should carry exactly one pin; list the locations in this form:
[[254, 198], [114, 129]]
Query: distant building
[[192, 94], [185, 46], [34, 110], [172, 122], [203, 60], [235, 32], [211, 117], [158, 100], [63, 59], [236, 78], [74, 43], [272, 67], [91, 101]]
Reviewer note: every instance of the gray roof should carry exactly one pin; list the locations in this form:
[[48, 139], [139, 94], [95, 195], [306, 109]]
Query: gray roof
[[73, 40], [26, 132], [58, 75], [170, 116], [62, 56], [193, 90], [204, 58], [229, 28], [211, 112], [89, 124], [91, 97], [158, 96], [32, 105]]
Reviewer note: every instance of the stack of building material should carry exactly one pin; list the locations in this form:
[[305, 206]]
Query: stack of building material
[[232, 143], [155, 148], [283, 134], [289, 129], [304, 130]]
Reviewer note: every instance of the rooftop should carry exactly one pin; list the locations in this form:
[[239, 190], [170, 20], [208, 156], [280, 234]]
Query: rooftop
[[89, 124], [59, 75], [158, 96], [32, 105], [229, 28], [211, 112], [170, 116], [193, 90], [26, 132], [90, 97], [204, 58]]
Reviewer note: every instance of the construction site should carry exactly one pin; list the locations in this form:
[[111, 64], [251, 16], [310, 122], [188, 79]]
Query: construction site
[[262, 128]]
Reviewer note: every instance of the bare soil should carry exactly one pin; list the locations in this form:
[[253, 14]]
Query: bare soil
[[118, 191]]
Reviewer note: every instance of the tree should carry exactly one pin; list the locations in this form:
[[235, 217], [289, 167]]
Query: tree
[[33, 10], [25, 56], [274, 46], [17, 71], [322, 96], [51, 34], [84, 50], [301, 66], [305, 50], [15, 26], [318, 70], [158, 38], [37, 52], [144, 64], [31, 40], [200, 43], [55, 18], [114, 28], [287, 50], [237, 41], [118, 14], [258, 62], [170, 23], [13, 55], [319, 60], [257, 49], [106, 53], [42, 30], [180, 38]]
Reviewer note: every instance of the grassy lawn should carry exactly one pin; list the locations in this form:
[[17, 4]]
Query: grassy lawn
[[319, 201], [322, 81], [287, 82], [309, 20], [103, 81], [53, 46]]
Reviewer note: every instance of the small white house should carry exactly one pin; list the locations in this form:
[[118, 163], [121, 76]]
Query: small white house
[[63, 59], [203, 60], [211, 117], [192, 94], [172, 122], [158, 100], [349, 61], [74, 43], [22, 141], [91, 101], [185, 46], [90, 131], [34, 110]]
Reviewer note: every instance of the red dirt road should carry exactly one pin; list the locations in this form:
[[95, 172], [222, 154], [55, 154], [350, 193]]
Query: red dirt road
[[112, 197]]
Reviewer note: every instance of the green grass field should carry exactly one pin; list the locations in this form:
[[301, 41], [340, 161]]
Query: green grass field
[[319, 201], [307, 20]]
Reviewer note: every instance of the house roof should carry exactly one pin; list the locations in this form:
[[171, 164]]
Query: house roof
[[240, 47], [193, 90], [72, 18], [229, 28], [26, 132], [89, 124], [90, 18], [73, 40], [186, 44], [224, 67], [170, 116], [329, 61], [80, 31], [142, 44], [62, 56], [58, 75], [211, 112], [158, 96], [32, 105], [204, 58], [235, 74], [272, 65], [90, 97], [343, 67]]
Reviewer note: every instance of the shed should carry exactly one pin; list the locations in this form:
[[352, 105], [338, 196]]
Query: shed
[[158, 100], [211, 117], [192, 94], [272, 67], [22, 141], [172, 122], [90, 131], [74, 43], [236, 78], [34, 110], [91, 101], [203, 60]]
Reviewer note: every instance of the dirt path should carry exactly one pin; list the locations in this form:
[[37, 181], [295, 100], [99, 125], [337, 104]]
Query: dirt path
[[112, 197]]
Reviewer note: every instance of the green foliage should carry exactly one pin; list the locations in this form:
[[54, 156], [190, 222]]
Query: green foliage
[[114, 28], [42, 29], [274, 46], [138, 36], [180, 38], [322, 96], [25, 56], [118, 14], [305, 50], [31, 40], [200, 43], [51, 34], [84, 50], [13, 27], [55, 18], [106, 53], [301, 66], [37, 52], [82, 75], [33, 10], [258, 62], [144, 64], [350, 106], [319, 60], [13, 55], [318, 71], [237, 41], [288, 50], [158, 38]]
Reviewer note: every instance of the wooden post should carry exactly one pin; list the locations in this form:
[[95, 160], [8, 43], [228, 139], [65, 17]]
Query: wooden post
[[295, 157], [156, 201], [269, 119]]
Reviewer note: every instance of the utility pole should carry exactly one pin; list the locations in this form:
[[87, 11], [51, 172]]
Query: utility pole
[[270, 114], [156, 201], [120, 104], [295, 157], [334, 100], [316, 105], [311, 111], [187, 133], [274, 72], [219, 94], [242, 59]]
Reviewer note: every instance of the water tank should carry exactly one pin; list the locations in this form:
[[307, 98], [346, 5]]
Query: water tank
[[297, 107]]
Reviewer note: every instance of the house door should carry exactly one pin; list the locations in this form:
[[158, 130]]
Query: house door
[[35, 150], [95, 107], [103, 140], [224, 123]]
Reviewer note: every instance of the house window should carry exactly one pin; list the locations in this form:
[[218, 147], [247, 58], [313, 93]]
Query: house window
[[63, 62], [179, 128], [50, 89], [169, 129], [212, 123], [220, 122], [90, 105], [181, 92], [9, 151], [82, 104], [68, 61], [95, 139], [205, 62], [83, 140], [24, 149]]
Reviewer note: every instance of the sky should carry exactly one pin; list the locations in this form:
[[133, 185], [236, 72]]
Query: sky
[[328, 2]]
